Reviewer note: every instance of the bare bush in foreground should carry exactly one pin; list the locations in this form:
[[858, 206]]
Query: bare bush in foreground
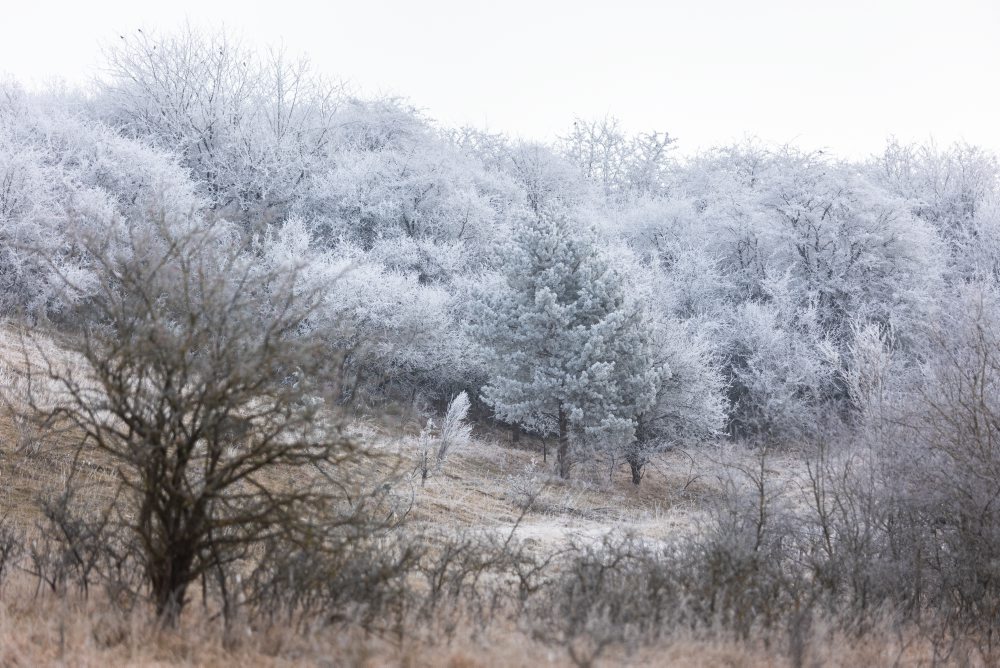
[[198, 384]]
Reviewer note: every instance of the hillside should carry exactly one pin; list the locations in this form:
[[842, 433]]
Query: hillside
[[489, 486]]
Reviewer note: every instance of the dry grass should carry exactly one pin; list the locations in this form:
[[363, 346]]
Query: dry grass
[[483, 485], [42, 630]]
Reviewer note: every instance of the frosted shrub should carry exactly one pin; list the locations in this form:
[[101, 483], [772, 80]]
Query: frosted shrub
[[454, 432]]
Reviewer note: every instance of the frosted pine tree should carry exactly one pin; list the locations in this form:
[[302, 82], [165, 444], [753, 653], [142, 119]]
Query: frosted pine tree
[[565, 345]]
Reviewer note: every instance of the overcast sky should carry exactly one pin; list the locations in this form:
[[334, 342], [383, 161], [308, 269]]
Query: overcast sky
[[841, 75]]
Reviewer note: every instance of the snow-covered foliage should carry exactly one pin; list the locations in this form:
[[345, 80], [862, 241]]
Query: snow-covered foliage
[[566, 347], [624, 167], [62, 176], [956, 192], [688, 406], [251, 129], [455, 432], [601, 288], [402, 334]]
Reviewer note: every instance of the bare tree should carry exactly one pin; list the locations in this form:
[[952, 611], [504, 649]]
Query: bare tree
[[198, 380]]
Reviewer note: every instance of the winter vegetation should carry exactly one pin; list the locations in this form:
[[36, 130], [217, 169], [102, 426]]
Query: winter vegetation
[[288, 373]]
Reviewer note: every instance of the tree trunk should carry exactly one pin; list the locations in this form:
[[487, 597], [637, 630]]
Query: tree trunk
[[168, 593], [169, 570], [636, 472], [515, 434], [562, 455], [635, 456]]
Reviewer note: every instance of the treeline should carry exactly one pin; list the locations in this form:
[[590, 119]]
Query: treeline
[[600, 289]]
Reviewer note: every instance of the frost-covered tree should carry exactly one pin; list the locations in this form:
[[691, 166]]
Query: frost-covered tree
[[404, 335], [566, 347], [845, 246], [689, 403], [783, 373], [251, 127], [957, 191], [62, 175], [797, 247], [547, 179], [622, 166], [404, 194]]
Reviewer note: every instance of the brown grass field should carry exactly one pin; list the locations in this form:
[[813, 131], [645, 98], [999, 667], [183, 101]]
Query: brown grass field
[[479, 488]]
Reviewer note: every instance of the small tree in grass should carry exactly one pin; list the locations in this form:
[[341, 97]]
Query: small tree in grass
[[566, 346], [455, 432], [688, 406], [197, 380]]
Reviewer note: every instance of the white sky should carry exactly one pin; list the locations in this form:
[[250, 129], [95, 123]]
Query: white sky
[[835, 74]]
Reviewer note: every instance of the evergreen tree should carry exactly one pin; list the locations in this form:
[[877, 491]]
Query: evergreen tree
[[565, 344]]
